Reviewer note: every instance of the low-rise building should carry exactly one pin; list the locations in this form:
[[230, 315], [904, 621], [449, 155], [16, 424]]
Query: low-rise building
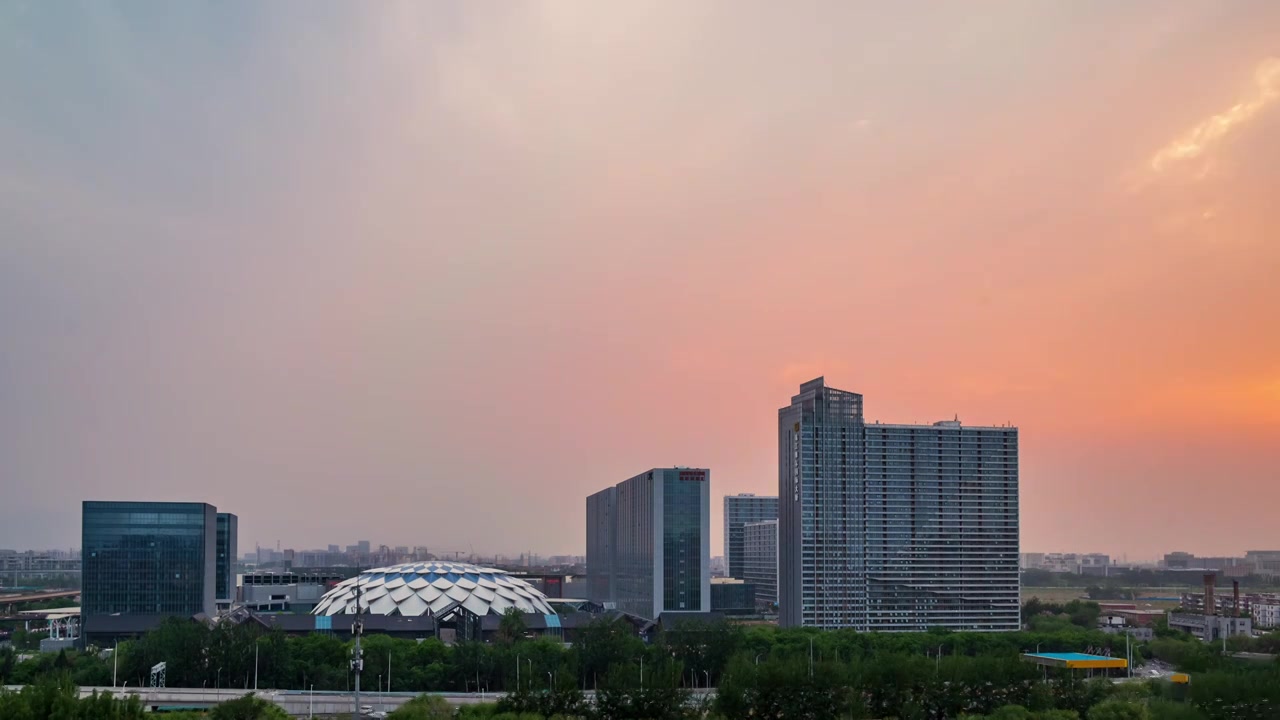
[[1210, 628], [1266, 613], [294, 591], [732, 596]]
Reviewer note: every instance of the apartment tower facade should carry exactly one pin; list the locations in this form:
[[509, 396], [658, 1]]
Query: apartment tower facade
[[894, 527]]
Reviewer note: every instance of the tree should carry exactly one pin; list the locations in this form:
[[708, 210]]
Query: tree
[[511, 627], [248, 707], [604, 643], [423, 707]]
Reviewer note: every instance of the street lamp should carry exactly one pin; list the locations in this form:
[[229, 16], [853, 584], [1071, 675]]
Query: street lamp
[[758, 658], [708, 674], [549, 682]]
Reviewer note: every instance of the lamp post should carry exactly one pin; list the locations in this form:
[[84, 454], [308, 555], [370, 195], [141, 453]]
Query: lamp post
[[708, 674], [255, 665], [549, 683], [311, 701], [758, 658], [357, 655], [115, 661]]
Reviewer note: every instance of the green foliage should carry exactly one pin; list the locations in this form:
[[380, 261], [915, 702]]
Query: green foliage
[[1172, 710], [1119, 710], [428, 707], [757, 671], [248, 707], [512, 626], [57, 699]]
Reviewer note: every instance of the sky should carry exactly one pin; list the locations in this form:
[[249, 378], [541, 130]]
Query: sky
[[431, 273]]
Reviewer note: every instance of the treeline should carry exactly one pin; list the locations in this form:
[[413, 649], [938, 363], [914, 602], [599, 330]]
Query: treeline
[[756, 671], [56, 698], [224, 656], [1126, 583]]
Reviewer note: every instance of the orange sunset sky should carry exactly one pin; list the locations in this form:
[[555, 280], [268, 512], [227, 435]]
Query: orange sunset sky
[[430, 273]]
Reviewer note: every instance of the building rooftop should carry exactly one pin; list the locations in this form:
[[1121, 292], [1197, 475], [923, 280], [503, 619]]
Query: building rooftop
[[1075, 660]]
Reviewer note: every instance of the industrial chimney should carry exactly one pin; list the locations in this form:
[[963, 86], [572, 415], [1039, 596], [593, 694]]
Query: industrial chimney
[[1210, 607]]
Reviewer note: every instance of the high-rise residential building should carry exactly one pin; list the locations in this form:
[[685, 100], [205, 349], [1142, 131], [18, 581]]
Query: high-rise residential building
[[649, 543], [760, 559], [601, 529], [362, 546], [738, 511], [894, 527], [147, 558], [225, 560]]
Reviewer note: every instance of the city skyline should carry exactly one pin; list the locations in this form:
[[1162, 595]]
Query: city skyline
[[404, 268]]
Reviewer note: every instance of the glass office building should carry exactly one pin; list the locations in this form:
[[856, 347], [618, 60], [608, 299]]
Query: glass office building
[[760, 559], [147, 558], [225, 560], [649, 543], [738, 511], [894, 527], [601, 523]]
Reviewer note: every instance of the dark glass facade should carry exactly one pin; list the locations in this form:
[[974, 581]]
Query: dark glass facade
[[225, 560], [649, 543], [142, 558], [682, 564]]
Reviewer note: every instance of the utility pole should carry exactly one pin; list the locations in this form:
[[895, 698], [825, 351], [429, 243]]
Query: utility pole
[[357, 655]]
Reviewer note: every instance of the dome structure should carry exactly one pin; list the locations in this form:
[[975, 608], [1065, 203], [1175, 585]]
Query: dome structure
[[439, 589]]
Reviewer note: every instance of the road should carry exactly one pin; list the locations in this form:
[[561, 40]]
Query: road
[[298, 703]]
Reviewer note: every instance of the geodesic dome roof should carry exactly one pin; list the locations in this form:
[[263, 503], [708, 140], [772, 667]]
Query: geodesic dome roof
[[433, 588]]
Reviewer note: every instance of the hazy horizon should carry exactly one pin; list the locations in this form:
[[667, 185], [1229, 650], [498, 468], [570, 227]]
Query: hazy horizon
[[430, 274]]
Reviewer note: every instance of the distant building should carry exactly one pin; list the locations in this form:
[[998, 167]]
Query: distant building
[[225, 561], [732, 596], [36, 564], [1266, 613], [894, 527], [602, 524], [147, 559], [739, 510], [1210, 628], [760, 559], [649, 543], [1263, 562], [290, 591]]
